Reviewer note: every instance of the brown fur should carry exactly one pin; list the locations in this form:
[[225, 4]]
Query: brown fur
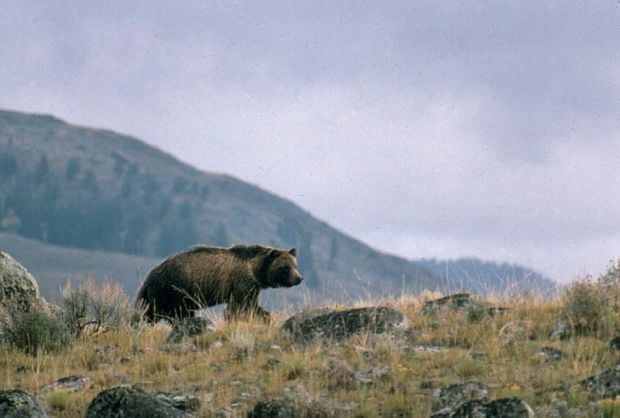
[[206, 276]]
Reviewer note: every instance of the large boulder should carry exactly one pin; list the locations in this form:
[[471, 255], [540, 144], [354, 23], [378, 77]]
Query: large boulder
[[286, 408], [19, 291], [16, 403], [131, 402], [333, 326]]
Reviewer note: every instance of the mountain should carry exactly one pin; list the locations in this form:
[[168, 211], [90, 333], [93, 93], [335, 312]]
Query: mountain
[[98, 191]]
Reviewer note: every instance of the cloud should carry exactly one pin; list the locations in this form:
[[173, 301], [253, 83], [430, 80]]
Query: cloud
[[424, 128]]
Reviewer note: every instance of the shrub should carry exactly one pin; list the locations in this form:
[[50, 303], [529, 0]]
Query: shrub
[[36, 331], [593, 306], [104, 307]]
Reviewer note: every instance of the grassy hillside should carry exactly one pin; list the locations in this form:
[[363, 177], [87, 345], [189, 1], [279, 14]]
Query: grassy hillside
[[239, 364]]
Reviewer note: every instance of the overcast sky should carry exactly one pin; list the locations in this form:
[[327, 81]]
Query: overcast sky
[[425, 129]]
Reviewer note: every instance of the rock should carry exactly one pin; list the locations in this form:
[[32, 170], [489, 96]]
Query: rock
[[508, 408], [74, 383], [552, 353], [327, 326], [426, 348], [465, 302], [480, 408], [19, 291], [605, 384], [561, 331], [468, 409], [273, 408], [130, 402], [285, 408], [615, 344], [16, 403], [190, 327], [451, 302], [180, 401], [453, 395]]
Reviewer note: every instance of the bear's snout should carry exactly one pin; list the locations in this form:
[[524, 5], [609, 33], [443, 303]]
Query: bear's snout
[[297, 279]]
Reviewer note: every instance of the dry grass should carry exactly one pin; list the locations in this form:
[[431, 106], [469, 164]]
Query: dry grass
[[242, 363]]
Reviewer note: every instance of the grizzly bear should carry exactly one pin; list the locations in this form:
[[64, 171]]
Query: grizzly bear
[[205, 276]]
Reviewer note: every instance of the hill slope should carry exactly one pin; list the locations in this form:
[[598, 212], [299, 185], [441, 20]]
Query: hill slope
[[94, 189], [97, 190], [52, 265]]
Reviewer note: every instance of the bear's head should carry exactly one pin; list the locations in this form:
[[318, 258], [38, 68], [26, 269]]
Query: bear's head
[[282, 268]]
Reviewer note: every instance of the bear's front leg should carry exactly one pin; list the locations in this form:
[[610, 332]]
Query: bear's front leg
[[245, 307]]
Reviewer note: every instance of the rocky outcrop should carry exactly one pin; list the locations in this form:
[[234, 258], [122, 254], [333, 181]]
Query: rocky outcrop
[[605, 384], [333, 326], [19, 291], [504, 408], [462, 302], [285, 408], [131, 402], [74, 383], [187, 403], [449, 397], [470, 399], [16, 403]]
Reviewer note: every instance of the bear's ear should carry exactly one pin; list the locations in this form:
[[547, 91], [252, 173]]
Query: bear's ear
[[293, 251]]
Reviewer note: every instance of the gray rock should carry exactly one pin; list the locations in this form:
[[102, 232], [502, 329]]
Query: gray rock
[[615, 344], [551, 353], [605, 384], [452, 396], [284, 408], [474, 408], [16, 403], [427, 348], [327, 326], [508, 408], [130, 402], [74, 383], [561, 331], [190, 327], [476, 309], [180, 401], [273, 408], [452, 302], [480, 408], [19, 291]]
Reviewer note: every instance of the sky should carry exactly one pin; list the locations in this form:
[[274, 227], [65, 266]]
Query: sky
[[437, 129]]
